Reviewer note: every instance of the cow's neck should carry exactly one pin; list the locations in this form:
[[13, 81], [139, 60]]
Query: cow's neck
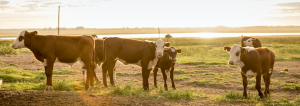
[[152, 63]]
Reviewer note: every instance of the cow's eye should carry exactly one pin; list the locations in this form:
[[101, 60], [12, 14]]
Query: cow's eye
[[21, 38], [248, 40], [237, 53]]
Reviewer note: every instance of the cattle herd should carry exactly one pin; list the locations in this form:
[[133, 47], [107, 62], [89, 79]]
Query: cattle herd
[[254, 61]]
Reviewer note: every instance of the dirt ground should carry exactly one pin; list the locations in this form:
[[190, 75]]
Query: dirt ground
[[26, 61]]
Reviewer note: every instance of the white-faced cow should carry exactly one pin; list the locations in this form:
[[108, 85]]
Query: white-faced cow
[[166, 63], [128, 51], [66, 49], [251, 42], [253, 62]]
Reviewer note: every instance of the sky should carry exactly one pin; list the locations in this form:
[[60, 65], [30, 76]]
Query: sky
[[147, 13]]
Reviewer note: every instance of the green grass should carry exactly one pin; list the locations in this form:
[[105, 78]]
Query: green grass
[[208, 81], [180, 71], [160, 93], [281, 102], [233, 96], [182, 77], [18, 79]]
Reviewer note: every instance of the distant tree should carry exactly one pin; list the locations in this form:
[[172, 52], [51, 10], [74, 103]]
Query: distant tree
[[168, 36], [94, 36]]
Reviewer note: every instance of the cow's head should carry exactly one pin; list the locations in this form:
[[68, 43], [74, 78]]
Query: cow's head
[[159, 46], [23, 36], [249, 42], [235, 54], [172, 52]]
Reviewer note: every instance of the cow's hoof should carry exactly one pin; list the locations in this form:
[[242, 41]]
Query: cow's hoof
[[166, 89], [244, 97], [146, 89], [90, 88], [266, 95], [155, 86], [174, 88], [48, 88]]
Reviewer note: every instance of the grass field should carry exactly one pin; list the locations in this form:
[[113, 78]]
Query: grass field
[[203, 67]]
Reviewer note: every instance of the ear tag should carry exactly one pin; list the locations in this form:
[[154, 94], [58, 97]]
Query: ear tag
[[34, 33]]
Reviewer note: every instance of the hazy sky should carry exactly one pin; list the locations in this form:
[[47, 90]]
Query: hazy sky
[[147, 13]]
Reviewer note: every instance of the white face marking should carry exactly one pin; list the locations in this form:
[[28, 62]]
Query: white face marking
[[170, 57], [235, 49], [172, 49], [19, 44], [250, 74], [159, 48], [248, 42]]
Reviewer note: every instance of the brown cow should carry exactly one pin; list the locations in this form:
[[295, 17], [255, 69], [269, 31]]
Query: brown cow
[[251, 42], [166, 63], [128, 51], [99, 56], [253, 62], [66, 49]]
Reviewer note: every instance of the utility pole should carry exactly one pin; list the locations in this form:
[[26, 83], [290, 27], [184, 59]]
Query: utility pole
[[58, 19], [159, 32]]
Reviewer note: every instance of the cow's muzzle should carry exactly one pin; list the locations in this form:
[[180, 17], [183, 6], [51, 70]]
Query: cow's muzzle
[[159, 54], [13, 46], [230, 63], [174, 60]]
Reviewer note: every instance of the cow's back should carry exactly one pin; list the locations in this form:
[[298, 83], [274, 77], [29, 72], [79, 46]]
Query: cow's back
[[65, 48], [129, 50]]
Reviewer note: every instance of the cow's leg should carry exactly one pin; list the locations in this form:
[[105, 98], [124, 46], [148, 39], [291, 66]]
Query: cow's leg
[[95, 68], [145, 74], [265, 81], [104, 72], [89, 84], [83, 75], [155, 75], [257, 85], [49, 72], [163, 71], [172, 77], [245, 83], [268, 84]]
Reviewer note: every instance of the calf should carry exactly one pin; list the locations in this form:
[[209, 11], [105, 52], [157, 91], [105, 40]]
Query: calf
[[128, 51], [253, 62], [251, 42], [66, 49], [166, 63]]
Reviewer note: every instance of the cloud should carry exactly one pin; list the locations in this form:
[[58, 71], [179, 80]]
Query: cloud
[[293, 7], [4, 2]]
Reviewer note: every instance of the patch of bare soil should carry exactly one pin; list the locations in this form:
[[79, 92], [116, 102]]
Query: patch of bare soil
[[26, 61]]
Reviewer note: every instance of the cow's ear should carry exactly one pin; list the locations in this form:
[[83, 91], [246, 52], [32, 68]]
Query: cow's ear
[[254, 39], [166, 50], [179, 51], [167, 44], [35, 33], [243, 50], [227, 49]]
